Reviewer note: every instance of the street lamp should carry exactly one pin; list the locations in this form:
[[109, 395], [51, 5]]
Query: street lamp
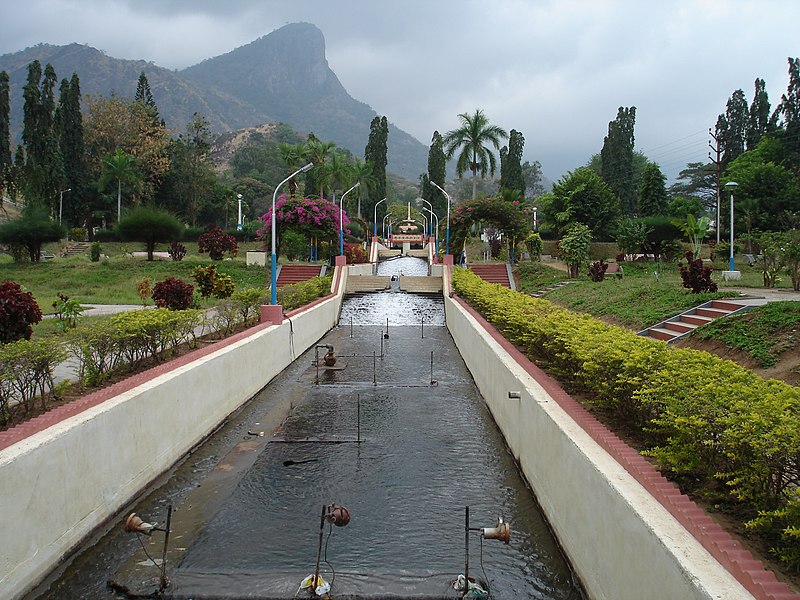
[[239, 222], [274, 258], [535, 222], [341, 214], [375, 218], [61, 202], [383, 225], [447, 231], [434, 224], [731, 185]]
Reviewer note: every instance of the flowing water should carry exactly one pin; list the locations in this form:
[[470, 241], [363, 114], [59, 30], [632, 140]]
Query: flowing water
[[397, 433]]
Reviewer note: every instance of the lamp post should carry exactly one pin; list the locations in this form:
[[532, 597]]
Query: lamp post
[[447, 230], [731, 185], [535, 222], [61, 202], [434, 224], [375, 218], [274, 258], [341, 214], [239, 222]]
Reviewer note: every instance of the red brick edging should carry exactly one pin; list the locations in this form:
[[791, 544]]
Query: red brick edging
[[760, 582]]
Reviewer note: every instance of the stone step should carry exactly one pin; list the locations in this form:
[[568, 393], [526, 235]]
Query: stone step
[[713, 313], [660, 333], [680, 326]]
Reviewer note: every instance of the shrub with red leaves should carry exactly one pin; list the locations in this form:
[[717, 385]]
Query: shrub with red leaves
[[216, 242], [696, 276], [173, 294], [18, 311]]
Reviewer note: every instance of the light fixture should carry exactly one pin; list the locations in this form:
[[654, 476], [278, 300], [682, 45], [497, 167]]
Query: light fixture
[[515, 394], [501, 531], [135, 524]]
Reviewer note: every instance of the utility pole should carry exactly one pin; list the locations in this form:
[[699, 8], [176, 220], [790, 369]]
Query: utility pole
[[718, 164]]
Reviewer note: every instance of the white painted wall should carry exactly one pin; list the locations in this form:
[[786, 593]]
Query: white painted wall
[[623, 544], [58, 485]]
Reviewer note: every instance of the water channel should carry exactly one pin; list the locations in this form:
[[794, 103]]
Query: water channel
[[397, 433]]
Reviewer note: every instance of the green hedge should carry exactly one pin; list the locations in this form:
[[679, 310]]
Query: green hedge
[[299, 294], [26, 373], [699, 415]]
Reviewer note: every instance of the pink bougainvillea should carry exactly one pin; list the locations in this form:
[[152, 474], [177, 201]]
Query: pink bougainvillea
[[313, 217]]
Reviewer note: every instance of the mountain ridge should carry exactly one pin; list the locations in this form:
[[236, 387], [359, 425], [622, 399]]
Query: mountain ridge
[[282, 76]]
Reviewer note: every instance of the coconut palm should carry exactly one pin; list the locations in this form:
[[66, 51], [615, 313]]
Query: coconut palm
[[470, 141], [362, 173], [318, 152], [121, 167], [292, 155]]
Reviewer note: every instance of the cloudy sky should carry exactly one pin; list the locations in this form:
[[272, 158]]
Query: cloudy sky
[[555, 70]]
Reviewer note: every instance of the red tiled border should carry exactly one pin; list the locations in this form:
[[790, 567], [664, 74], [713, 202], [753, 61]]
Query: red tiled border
[[760, 582]]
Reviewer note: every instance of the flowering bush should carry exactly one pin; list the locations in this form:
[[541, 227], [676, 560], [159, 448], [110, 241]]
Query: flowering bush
[[513, 219], [18, 311], [355, 254], [211, 283], [216, 242], [312, 217]]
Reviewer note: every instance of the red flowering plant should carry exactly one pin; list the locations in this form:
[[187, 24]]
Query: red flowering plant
[[312, 217], [513, 219]]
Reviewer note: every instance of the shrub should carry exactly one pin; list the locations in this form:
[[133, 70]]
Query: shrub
[[574, 247], [77, 234], [216, 242], [696, 276], [31, 230], [354, 254], [144, 287], [294, 245], [299, 294], [105, 235], [173, 294], [534, 245], [26, 372], [211, 283], [177, 251], [149, 225], [18, 312], [597, 270], [67, 311], [94, 252]]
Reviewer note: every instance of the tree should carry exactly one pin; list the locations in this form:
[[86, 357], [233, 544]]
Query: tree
[[292, 155], [31, 230], [789, 112], [653, 192], [582, 196], [697, 180], [119, 167], [149, 225], [532, 173], [437, 164], [145, 96], [574, 247], [318, 152], [43, 174], [616, 158], [759, 122], [469, 141], [192, 175], [375, 153], [511, 177], [731, 128], [71, 145], [6, 162], [362, 173]]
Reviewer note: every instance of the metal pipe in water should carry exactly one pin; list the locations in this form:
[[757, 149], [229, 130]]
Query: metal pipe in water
[[164, 582], [423, 327], [386, 335], [315, 583], [358, 418], [433, 381], [374, 372], [466, 548], [351, 326]]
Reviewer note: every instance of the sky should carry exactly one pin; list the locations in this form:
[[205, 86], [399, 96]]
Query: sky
[[557, 71]]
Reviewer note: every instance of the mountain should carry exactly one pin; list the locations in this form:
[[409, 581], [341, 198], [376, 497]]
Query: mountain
[[283, 76]]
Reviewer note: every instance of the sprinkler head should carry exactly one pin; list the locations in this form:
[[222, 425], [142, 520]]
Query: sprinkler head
[[338, 515]]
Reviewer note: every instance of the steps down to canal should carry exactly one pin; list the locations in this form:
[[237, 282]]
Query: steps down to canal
[[493, 273], [683, 324], [357, 284], [421, 285], [289, 274]]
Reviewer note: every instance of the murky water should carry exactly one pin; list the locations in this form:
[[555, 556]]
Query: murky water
[[417, 446]]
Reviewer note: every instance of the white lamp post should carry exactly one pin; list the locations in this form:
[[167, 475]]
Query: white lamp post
[[731, 185], [274, 258], [61, 202], [535, 222], [434, 223], [375, 218], [447, 230], [239, 222], [383, 226], [341, 214]]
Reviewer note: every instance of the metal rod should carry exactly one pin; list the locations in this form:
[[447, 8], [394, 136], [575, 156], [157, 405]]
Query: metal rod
[[374, 369], [466, 548], [164, 582], [315, 583], [358, 418], [316, 362], [381, 346], [431, 367], [423, 327], [351, 326]]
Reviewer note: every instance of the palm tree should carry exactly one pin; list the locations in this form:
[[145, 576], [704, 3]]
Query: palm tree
[[292, 154], [362, 173], [318, 152], [121, 167], [470, 141]]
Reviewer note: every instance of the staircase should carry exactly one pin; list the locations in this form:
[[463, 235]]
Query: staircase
[[681, 325], [555, 286], [75, 249], [357, 284], [494, 273], [289, 274]]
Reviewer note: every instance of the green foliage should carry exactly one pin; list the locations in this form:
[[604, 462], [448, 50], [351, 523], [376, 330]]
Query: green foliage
[[782, 527], [94, 252], [375, 154], [511, 177], [535, 276], [149, 225], [68, 311], [574, 247], [791, 258], [513, 219], [33, 229], [216, 242], [680, 206], [770, 259], [436, 172], [299, 294], [632, 235], [756, 331], [211, 283], [173, 294], [18, 311], [581, 196], [695, 229], [294, 245], [662, 238], [241, 308], [616, 159], [121, 168], [534, 245], [77, 234], [653, 192], [26, 372]]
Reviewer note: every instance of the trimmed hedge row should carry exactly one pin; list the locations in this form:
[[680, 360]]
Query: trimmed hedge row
[[697, 414], [26, 372]]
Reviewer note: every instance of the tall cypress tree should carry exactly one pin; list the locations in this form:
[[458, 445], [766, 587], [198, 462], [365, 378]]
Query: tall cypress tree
[[6, 164], [375, 154], [145, 96], [511, 163], [616, 158], [789, 110], [758, 121], [653, 192], [71, 145], [733, 130], [436, 172]]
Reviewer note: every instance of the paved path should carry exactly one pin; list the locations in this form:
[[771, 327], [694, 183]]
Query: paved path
[[769, 294]]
